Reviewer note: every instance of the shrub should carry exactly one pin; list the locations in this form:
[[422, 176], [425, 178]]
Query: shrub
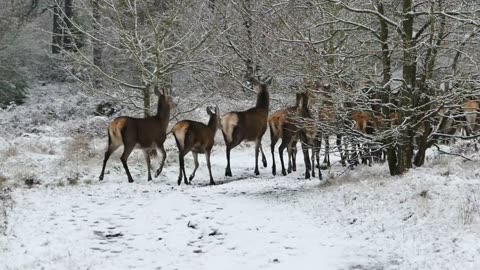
[[13, 87]]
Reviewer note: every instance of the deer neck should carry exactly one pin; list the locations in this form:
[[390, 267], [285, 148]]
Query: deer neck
[[263, 99], [213, 122], [163, 111]]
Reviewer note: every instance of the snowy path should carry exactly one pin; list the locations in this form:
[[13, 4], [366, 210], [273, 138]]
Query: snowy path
[[191, 228], [361, 220]]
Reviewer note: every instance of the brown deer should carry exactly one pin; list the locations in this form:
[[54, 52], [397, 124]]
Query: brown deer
[[328, 117], [369, 123], [310, 137], [249, 125], [198, 138], [145, 133], [327, 121], [470, 108], [282, 126]]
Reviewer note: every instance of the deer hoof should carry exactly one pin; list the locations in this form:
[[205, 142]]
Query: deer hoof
[[289, 170], [307, 175], [212, 183], [130, 180], [284, 173], [179, 181], [100, 178], [157, 173], [191, 177], [264, 163]]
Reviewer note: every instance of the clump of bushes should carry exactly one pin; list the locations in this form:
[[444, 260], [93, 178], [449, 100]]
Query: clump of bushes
[[13, 87]]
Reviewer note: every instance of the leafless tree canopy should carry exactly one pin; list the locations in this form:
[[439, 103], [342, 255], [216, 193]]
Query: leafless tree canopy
[[409, 65]]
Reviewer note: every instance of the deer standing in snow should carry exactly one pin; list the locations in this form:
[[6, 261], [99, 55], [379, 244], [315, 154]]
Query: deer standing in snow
[[310, 137], [145, 133], [282, 126], [198, 138], [470, 108], [249, 125]]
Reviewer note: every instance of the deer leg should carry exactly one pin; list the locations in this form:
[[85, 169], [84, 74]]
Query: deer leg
[[181, 157], [317, 152], [339, 146], [164, 156], [357, 154], [257, 150], [313, 160], [111, 148], [126, 153], [280, 152], [264, 159], [326, 159], [289, 154], [147, 159], [195, 160], [273, 142], [207, 156], [184, 153], [294, 155], [306, 160], [317, 155], [228, 172], [348, 151], [180, 165]]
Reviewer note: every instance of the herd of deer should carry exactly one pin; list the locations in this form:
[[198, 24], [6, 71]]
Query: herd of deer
[[290, 125]]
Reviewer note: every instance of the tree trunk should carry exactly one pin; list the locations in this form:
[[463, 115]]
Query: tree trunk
[[392, 158], [405, 150], [423, 145], [146, 101], [56, 31], [96, 44], [68, 41], [97, 47], [248, 23]]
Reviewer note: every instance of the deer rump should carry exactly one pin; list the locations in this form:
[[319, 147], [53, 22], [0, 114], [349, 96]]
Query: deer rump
[[244, 125]]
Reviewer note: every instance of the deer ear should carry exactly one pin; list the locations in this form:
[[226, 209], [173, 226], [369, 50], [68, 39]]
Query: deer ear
[[255, 81], [209, 110], [269, 81], [217, 110]]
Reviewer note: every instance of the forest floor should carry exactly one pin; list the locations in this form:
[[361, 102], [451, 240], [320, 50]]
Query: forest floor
[[64, 218]]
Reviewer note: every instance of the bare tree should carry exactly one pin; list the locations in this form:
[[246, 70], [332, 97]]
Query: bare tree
[[387, 58], [145, 42]]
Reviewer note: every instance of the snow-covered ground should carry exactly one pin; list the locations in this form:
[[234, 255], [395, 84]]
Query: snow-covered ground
[[361, 219]]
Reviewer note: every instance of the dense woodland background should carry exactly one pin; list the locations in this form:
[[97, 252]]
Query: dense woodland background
[[417, 59]]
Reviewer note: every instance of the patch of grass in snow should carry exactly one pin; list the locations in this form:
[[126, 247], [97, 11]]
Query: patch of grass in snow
[[11, 151], [3, 179], [74, 179], [78, 149], [470, 208], [26, 178], [6, 204]]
